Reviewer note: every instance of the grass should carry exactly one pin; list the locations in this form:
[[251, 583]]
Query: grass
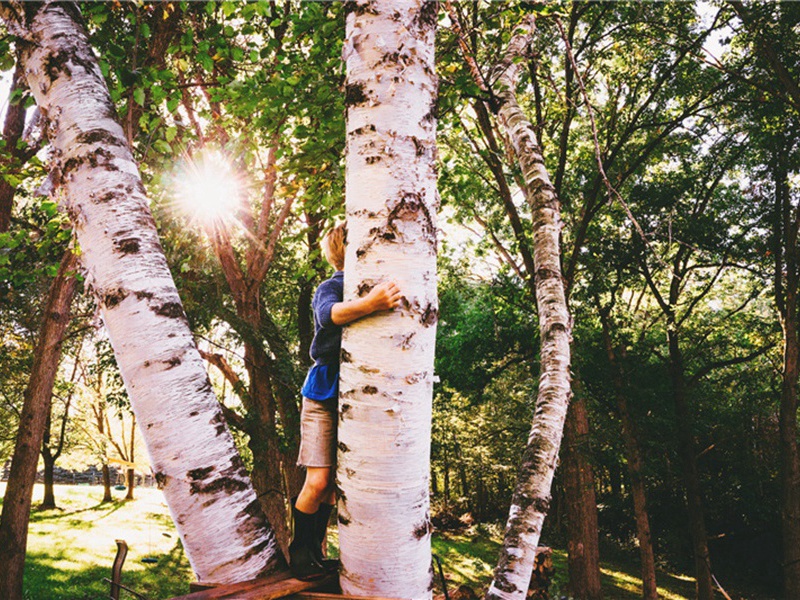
[[71, 549]]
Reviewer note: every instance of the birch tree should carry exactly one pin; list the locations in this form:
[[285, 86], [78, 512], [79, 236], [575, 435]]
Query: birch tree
[[531, 498], [212, 502], [387, 360]]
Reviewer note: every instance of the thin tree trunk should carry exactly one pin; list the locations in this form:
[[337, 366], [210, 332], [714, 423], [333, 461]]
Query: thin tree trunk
[[578, 478], [223, 531], [13, 127], [49, 460], [633, 457], [107, 497], [688, 453], [531, 498], [786, 294], [386, 382], [35, 411]]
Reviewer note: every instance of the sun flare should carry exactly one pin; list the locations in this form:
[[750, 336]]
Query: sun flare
[[208, 188]]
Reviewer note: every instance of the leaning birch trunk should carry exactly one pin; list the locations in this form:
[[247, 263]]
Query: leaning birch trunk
[[531, 498], [215, 509], [386, 382]]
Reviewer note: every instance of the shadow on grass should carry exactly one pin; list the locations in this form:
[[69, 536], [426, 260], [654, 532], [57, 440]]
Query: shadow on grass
[[47, 577], [39, 516]]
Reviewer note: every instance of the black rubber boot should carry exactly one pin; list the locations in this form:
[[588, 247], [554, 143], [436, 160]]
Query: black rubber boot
[[304, 549], [321, 518]]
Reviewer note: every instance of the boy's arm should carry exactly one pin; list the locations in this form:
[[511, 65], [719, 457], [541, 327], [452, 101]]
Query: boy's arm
[[383, 296]]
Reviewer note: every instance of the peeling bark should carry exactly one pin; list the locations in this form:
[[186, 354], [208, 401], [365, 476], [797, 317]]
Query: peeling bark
[[386, 380], [224, 538], [531, 498]]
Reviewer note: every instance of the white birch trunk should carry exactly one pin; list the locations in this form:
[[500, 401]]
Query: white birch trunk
[[215, 509], [386, 379], [531, 498]]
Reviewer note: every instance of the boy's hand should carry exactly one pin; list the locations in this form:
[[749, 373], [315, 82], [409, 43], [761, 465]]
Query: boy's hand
[[383, 296]]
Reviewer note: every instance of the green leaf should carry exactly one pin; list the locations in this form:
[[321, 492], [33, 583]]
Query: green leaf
[[172, 104], [170, 133], [138, 96], [145, 31], [162, 146]]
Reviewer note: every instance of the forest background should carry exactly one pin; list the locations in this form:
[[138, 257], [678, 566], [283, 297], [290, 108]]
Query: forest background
[[669, 130]]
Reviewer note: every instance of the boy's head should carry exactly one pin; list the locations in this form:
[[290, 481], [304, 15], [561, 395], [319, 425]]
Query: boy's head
[[333, 246]]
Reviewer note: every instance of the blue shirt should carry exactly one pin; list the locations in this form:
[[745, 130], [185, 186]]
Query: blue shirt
[[322, 382]]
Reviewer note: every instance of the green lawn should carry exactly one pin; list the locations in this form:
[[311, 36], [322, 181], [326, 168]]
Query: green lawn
[[70, 551]]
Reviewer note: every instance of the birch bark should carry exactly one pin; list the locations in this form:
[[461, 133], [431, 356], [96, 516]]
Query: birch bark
[[211, 499], [386, 378], [531, 498]]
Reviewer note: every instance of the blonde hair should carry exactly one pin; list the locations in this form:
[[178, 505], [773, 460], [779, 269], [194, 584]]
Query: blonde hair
[[333, 246]]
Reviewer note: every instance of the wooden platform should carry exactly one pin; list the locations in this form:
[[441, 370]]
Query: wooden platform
[[273, 587]]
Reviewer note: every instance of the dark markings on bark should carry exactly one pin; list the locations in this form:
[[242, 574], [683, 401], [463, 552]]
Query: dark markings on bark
[[172, 310], [127, 246], [143, 295], [363, 130], [204, 388], [161, 480], [200, 474], [343, 520], [544, 274], [209, 502], [194, 413], [422, 529], [146, 363], [172, 362], [432, 577], [107, 197], [58, 63], [408, 209], [426, 18], [343, 411], [94, 136], [369, 389], [365, 287], [433, 110], [359, 8], [418, 145], [349, 472], [97, 158], [253, 509], [114, 297], [354, 94], [429, 316], [371, 160], [257, 549], [345, 356], [228, 484], [342, 447], [542, 186]]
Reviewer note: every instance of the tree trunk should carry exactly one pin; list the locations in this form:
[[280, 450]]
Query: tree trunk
[[531, 498], [35, 410], [49, 460], [633, 457], [786, 291], [107, 497], [386, 382], [13, 128], [216, 511], [130, 482], [688, 453], [578, 477]]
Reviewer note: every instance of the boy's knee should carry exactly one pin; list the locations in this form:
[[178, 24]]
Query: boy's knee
[[319, 482]]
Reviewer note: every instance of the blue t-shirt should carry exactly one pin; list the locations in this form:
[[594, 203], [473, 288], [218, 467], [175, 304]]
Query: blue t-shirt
[[322, 381]]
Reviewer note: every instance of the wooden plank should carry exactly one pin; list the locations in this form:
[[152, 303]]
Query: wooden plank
[[210, 593], [284, 588], [199, 586], [265, 588], [327, 596]]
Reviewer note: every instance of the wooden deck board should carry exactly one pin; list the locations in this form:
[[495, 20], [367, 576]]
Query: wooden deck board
[[263, 588]]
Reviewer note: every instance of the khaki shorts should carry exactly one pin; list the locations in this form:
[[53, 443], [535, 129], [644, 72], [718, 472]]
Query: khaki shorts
[[318, 433]]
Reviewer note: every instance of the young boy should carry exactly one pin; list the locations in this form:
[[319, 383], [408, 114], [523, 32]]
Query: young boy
[[318, 419]]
